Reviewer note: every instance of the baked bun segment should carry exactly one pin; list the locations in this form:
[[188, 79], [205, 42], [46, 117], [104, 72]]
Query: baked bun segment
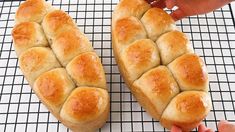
[[156, 22], [127, 30], [172, 45], [32, 11], [86, 109], [134, 8], [53, 87], [190, 72], [61, 66], [186, 110], [155, 89], [36, 61], [69, 44], [27, 35], [139, 57], [55, 22], [158, 64], [86, 70]]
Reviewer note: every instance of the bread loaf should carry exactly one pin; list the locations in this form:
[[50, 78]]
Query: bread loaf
[[159, 66], [61, 66]]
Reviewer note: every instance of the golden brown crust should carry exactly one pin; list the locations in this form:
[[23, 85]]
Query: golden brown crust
[[53, 87], [84, 107], [159, 87], [127, 30], [190, 106], [31, 11], [69, 44], [190, 72], [26, 35], [36, 61], [172, 45], [86, 70], [156, 27], [55, 22], [139, 57], [23, 32], [134, 8]]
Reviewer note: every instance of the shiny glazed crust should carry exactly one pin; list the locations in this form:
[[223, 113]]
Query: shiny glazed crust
[[61, 66], [69, 44], [27, 35], [35, 61], [86, 70], [32, 11], [190, 106], [53, 87], [160, 89], [86, 109], [55, 22]]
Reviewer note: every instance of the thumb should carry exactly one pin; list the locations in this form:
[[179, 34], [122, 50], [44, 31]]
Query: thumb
[[170, 3], [178, 14], [159, 4], [225, 126], [202, 128], [175, 129]]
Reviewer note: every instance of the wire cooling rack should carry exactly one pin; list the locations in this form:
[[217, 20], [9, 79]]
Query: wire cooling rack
[[212, 36]]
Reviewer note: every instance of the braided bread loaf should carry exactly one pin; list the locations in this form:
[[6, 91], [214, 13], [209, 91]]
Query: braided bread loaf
[[158, 65], [61, 66]]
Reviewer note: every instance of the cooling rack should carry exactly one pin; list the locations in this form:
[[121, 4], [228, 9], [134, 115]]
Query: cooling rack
[[212, 36]]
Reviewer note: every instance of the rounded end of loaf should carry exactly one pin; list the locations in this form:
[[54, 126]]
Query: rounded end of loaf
[[134, 8], [127, 30], [139, 57], [190, 72], [86, 109], [172, 45], [55, 22], [186, 110], [53, 87], [31, 11], [26, 35], [36, 61], [157, 22], [69, 44], [158, 87], [86, 70]]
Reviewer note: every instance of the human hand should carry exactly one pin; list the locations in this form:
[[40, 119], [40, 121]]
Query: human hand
[[201, 128], [189, 7], [223, 126]]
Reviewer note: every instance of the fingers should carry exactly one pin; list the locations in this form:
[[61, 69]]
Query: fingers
[[225, 126], [158, 3], [170, 3], [175, 129], [202, 128], [178, 14]]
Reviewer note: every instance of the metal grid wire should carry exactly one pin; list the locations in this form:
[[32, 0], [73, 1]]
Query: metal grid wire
[[212, 36]]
